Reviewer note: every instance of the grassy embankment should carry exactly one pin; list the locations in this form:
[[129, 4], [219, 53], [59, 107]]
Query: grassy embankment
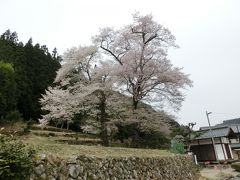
[[56, 142]]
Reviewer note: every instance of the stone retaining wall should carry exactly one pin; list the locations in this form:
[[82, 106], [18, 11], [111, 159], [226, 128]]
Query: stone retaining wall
[[90, 168]]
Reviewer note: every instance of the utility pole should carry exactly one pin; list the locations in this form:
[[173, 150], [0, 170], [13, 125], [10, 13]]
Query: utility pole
[[238, 134], [213, 142]]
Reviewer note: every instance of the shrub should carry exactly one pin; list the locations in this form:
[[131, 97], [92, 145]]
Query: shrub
[[132, 136], [154, 140], [125, 131], [236, 166], [177, 148], [16, 159]]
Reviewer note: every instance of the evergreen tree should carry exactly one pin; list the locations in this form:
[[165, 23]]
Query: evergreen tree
[[7, 88], [35, 69]]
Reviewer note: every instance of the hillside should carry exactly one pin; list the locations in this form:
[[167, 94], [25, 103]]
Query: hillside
[[147, 116]]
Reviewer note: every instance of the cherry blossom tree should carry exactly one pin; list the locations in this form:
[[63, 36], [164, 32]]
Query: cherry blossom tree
[[81, 86], [142, 67], [58, 112]]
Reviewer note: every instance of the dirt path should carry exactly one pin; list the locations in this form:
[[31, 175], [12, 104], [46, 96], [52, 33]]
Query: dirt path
[[216, 174]]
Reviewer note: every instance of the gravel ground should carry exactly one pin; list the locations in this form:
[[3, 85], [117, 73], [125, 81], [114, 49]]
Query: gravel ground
[[216, 173]]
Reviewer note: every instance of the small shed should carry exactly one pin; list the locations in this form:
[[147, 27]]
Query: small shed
[[202, 146]]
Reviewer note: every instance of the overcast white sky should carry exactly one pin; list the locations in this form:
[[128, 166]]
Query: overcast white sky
[[207, 31]]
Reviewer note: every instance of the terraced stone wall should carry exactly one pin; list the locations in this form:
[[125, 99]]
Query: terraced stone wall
[[114, 168]]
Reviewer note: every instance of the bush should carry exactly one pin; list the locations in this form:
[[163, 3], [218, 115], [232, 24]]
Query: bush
[[236, 166], [125, 131], [132, 136], [177, 148], [154, 140], [16, 159]]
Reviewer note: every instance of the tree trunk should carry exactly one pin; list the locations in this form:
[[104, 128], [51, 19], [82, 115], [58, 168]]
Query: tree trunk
[[136, 136], [104, 135], [62, 125], [68, 125], [134, 104], [103, 119]]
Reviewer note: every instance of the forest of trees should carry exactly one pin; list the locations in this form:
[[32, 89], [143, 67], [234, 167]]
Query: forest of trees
[[26, 70]]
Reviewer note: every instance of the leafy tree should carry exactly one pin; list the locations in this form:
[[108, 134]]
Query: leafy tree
[[142, 68], [185, 132], [9, 36], [7, 88], [41, 70], [34, 70]]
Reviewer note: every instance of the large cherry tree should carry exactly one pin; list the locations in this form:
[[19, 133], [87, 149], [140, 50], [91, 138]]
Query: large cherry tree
[[142, 68]]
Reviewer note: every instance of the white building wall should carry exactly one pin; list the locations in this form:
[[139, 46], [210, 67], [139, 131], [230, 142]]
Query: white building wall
[[234, 140], [220, 152], [235, 154], [225, 140], [230, 150], [224, 151]]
